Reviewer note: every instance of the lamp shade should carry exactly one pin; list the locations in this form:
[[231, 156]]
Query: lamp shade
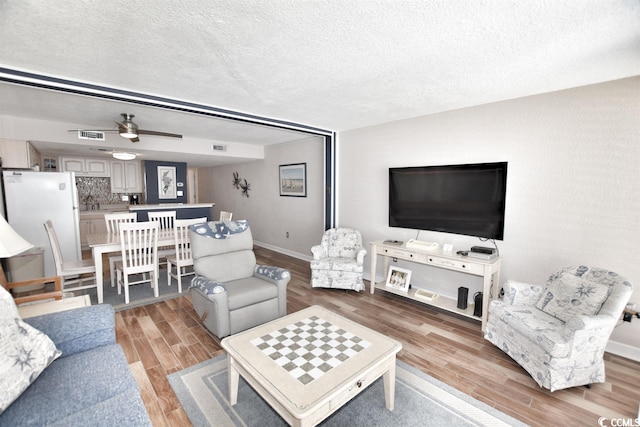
[[10, 242]]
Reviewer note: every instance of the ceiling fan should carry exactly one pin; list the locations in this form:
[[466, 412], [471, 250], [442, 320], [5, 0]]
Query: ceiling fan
[[128, 129]]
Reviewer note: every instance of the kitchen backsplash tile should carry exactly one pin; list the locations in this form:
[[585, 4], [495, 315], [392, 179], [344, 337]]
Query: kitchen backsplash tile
[[98, 189]]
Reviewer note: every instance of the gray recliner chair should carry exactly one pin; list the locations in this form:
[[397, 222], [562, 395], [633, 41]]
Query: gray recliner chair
[[230, 292]]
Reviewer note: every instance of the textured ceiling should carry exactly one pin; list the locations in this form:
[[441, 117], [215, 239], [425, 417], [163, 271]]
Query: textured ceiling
[[332, 64]]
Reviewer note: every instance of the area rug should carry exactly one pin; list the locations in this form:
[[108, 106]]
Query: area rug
[[139, 295], [420, 400]]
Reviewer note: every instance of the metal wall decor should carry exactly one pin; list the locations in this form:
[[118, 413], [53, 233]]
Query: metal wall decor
[[241, 184]]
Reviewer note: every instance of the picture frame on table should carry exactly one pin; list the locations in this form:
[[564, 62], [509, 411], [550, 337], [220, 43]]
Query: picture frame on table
[[398, 278], [293, 180]]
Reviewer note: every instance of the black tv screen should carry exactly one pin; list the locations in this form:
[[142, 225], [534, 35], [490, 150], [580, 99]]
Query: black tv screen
[[461, 199]]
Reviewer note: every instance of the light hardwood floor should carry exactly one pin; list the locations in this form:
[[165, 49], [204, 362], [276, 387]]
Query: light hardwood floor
[[166, 337]]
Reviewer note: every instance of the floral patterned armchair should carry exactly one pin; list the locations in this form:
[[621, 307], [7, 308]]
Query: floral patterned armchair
[[558, 333], [338, 260]]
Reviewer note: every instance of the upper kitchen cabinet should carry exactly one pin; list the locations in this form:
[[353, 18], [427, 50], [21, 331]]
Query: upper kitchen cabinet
[[126, 176], [18, 154], [85, 166]]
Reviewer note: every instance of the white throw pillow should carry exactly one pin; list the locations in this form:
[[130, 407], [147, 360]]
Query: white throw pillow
[[24, 352], [569, 296]]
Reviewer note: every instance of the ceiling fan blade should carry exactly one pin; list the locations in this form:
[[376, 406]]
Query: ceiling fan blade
[[92, 130], [152, 132]]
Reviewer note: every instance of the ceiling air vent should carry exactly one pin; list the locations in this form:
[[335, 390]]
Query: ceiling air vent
[[91, 134], [218, 147]]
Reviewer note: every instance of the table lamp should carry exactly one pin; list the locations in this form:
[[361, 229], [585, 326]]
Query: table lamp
[[10, 244]]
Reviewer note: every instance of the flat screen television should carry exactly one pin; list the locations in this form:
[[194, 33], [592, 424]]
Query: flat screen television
[[460, 199]]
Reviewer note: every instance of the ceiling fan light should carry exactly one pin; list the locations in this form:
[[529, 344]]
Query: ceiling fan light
[[128, 129], [121, 155]]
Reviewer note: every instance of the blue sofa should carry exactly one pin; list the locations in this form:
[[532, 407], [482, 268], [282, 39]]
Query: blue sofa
[[89, 385]]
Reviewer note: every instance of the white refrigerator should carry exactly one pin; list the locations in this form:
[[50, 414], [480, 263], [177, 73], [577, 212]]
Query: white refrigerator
[[31, 198]]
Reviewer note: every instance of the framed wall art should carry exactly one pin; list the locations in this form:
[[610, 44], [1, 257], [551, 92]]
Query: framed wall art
[[398, 278], [293, 180], [166, 182]]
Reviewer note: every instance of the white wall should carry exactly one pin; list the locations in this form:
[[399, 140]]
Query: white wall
[[573, 190], [270, 215]]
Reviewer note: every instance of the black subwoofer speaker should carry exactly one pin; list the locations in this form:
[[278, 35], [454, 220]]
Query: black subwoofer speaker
[[477, 301], [463, 296]]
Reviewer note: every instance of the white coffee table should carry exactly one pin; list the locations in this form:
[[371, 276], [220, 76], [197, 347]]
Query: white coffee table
[[310, 363]]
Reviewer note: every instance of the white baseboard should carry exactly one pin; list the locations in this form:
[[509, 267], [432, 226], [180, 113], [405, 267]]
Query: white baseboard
[[283, 251], [623, 350]]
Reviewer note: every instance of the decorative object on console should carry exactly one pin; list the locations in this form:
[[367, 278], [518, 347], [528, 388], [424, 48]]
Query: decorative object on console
[[425, 295], [399, 278], [338, 261], [422, 245], [560, 348]]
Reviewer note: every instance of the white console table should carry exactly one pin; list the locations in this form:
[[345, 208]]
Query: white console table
[[489, 270]]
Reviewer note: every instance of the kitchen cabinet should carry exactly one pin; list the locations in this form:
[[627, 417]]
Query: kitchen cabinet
[[18, 154], [91, 223], [85, 166], [126, 176]]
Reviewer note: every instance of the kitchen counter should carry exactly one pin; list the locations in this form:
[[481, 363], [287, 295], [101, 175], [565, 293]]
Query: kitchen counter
[[183, 211], [91, 213], [170, 206]]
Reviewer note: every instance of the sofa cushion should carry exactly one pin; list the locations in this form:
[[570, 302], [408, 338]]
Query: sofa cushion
[[337, 264], [100, 375], [539, 328], [568, 296], [249, 291], [25, 352], [85, 328], [343, 243]]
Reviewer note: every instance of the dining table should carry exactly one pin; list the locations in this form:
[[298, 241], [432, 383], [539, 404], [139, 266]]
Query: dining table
[[103, 243]]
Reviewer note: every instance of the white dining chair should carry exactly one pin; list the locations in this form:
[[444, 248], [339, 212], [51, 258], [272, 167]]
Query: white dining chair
[[225, 216], [112, 221], [165, 220], [182, 257], [73, 272], [139, 252]]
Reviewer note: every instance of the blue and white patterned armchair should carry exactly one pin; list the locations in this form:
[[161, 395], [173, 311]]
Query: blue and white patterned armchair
[[338, 260], [558, 332]]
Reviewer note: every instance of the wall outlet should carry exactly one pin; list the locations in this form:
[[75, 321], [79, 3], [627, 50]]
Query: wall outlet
[[287, 234], [631, 306], [124, 198]]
